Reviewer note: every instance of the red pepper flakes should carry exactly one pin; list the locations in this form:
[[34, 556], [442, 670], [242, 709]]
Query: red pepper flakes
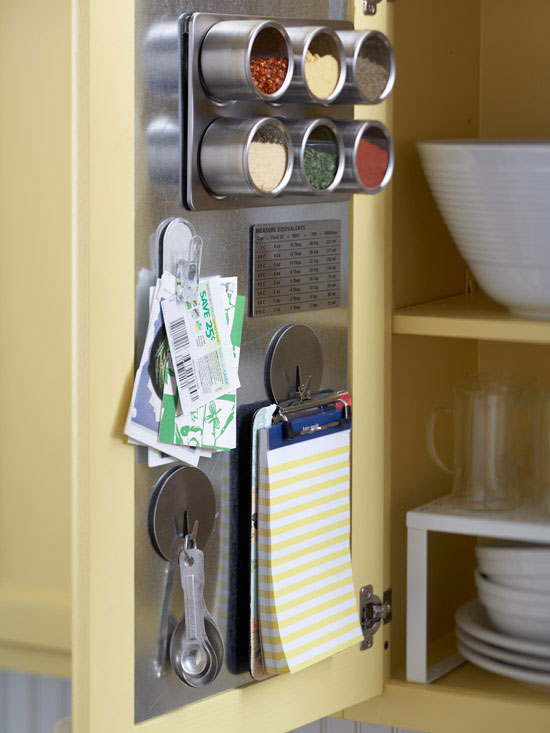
[[269, 74], [372, 163]]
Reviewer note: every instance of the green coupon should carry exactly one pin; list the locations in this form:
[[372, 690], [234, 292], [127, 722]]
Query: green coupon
[[213, 425]]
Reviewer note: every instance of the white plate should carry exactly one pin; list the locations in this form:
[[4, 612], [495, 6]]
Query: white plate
[[528, 661], [506, 670], [472, 618]]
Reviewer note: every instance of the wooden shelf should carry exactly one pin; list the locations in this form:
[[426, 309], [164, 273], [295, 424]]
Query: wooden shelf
[[466, 699], [469, 316]]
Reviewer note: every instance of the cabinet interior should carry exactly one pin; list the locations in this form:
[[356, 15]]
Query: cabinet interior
[[465, 68]]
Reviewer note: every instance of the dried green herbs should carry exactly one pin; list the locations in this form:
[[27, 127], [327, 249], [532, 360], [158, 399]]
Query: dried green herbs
[[320, 167]]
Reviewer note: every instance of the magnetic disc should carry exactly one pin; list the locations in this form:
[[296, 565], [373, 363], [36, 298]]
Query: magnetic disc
[[179, 490], [293, 354]]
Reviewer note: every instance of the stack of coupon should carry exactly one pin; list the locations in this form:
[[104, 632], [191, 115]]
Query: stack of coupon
[[184, 397]]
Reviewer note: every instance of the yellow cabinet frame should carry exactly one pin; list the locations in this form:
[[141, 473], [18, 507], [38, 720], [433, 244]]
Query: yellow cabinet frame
[[103, 465]]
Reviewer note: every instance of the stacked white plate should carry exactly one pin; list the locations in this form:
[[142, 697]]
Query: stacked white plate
[[493, 195], [507, 629]]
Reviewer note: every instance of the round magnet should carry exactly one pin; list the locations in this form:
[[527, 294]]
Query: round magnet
[[294, 356], [179, 490]]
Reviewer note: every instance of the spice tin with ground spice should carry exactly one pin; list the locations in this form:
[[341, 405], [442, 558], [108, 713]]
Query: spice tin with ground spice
[[246, 156], [320, 65], [370, 72], [371, 160], [369, 156], [321, 73], [267, 158]]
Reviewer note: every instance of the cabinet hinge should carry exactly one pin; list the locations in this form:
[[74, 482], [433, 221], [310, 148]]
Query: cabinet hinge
[[369, 7], [373, 612]]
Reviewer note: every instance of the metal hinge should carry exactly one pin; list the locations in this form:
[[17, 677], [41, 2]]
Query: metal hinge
[[369, 7], [373, 612]]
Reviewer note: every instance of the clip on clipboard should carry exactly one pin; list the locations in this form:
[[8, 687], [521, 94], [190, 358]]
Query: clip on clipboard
[[295, 350], [323, 410]]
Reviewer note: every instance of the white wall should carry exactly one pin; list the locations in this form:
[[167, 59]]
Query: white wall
[[32, 704], [336, 725]]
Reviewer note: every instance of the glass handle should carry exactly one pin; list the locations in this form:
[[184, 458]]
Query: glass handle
[[430, 429]]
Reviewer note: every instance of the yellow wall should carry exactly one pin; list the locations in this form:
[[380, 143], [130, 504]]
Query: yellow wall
[[515, 68], [436, 95], [35, 378]]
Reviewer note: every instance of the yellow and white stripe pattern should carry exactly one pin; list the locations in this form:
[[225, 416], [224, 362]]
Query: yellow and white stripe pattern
[[307, 601]]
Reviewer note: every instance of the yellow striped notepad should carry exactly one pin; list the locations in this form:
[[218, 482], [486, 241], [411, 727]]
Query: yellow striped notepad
[[308, 609]]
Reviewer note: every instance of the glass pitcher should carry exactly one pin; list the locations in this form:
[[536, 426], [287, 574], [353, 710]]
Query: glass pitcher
[[493, 431], [541, 453]]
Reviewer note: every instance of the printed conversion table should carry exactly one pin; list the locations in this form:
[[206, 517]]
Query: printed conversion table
[[296, 267]]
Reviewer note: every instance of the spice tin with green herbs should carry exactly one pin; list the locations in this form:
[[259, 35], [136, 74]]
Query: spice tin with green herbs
[[320, 166]]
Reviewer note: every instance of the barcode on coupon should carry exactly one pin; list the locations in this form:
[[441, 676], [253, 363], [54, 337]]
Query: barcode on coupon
[[185, 374]]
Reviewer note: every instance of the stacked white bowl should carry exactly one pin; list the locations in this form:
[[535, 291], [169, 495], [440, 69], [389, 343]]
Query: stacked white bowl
[[513, 583], [507, 629], [494, 196]]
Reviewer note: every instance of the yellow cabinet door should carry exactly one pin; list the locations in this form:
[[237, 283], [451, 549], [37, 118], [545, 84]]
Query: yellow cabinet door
[[103, 208], [35, 325]]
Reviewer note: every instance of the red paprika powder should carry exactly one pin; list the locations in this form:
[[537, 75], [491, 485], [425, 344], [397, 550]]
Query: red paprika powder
[[372, 163]]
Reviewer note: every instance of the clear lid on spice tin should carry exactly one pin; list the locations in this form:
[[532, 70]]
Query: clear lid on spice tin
[[320, 65], [246, 59], [370, 67], [243, 157], [319, 156], [369, 156]]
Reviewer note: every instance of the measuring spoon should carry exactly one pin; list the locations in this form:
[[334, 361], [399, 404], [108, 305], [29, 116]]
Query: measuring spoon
[[195, 660]]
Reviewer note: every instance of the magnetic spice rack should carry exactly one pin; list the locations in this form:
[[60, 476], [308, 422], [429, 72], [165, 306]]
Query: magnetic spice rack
[[174, 147]]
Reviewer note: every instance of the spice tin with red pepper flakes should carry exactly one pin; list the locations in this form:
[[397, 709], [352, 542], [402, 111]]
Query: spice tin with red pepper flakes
[[245, 59]]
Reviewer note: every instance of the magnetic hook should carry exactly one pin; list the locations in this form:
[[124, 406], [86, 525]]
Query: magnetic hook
[[188, 269], [180, 251], [302, 390], [190, 542], [183, 539]]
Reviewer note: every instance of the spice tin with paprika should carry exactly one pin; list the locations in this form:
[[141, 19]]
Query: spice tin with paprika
[[369, 156]]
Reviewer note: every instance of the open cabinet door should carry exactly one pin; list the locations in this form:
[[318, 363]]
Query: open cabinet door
[[106, 517]]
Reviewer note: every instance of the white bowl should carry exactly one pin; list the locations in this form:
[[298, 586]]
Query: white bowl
[[529, 583], [514, 560], [494, 197], [505, 593], [515, 612]]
